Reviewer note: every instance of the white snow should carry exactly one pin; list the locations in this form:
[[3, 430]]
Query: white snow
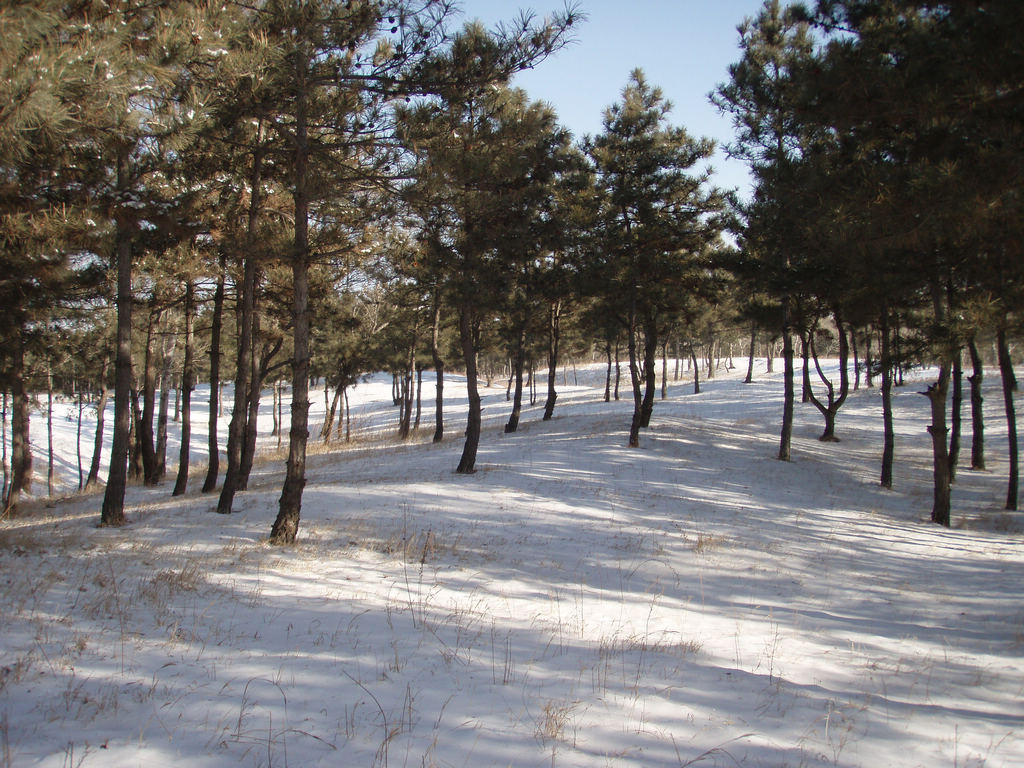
[[573, 603]]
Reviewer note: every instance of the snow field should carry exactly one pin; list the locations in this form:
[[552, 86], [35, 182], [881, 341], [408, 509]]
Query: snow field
[[573, 603]]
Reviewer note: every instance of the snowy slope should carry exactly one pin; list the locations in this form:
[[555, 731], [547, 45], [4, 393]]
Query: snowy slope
[[573, 603]]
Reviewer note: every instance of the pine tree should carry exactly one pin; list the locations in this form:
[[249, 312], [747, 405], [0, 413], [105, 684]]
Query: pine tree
[[659, 218]]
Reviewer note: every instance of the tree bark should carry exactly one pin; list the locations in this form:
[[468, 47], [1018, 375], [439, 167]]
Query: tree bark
[[21, 447], [749, 378], [889, 434], [650, 370], [518, 362], [634, 378], [286, 525], [977, 418], [101, 407], [956, 413], [188, 377], [788, 393], [435, 353], [554, 345], [938, 394], [144, 434], [213, 465], [169, 341], [468, 337], [1009, 387], [112, 513]]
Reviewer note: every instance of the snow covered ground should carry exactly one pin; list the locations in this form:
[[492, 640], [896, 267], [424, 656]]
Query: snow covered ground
[[573, 603]]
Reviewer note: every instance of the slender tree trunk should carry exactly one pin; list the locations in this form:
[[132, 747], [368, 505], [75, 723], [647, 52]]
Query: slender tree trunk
[[938, 394], [749, 378], [618, 369], [634, 378], [977, 418], [246, 313], [49, 428], [145, 434], [830, 408], [650, 371], [788, 396], [213, 465], [3, 456], [608, 375], [419, 397], [328, 427], [554, 344], [1009, 387], [805, 349], [286, 525], [696, 371], [169, 342], [664, 369], [78, 438], [518, 362], [468, 337], [956, 413], [112, 513], [868, 363], [101, 409], [889, 434], [435, 353], [188, 382]]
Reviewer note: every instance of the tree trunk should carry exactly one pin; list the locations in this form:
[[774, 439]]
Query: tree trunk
[[101, 407], [554, 344], [664, 369], [435, 353], [21, 446], [889, 434], [49, 428], [468, 337], [188, 382], [788, 396], [608, 374], [956, 413], [144, 434], [805, 349], [696, 371], [213, 465], [169, 342], [112, 512], [634, 378], [1009, 387], [240, 398], [830, 408], [977, 418], [328, 427], [286, 525], [938, 394], [749, 378], [650, 371], [518, 362]]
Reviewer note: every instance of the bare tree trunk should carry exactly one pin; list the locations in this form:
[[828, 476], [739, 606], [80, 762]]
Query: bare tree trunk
[[468, 334], [169, 342], [49, 428], [977, 418], [937, 394], [1009, 387], [889, 434], [101, 408], [286, 525], [213, 466], [188, 382], [608, 375], [785, 439], [554, 344], [518, 362], [112, 513], [696, 371], [634, 377], [749, 378], [435, 353], [956, 414]]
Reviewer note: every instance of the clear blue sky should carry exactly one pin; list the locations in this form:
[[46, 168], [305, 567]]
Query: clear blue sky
[[683, 46]]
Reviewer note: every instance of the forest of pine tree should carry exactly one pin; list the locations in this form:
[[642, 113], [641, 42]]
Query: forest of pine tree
[[312, 190]]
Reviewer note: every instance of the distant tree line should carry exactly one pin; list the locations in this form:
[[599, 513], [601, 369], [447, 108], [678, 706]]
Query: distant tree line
[[310, 190]]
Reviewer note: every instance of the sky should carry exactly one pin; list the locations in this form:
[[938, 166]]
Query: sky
[[683, 46]]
